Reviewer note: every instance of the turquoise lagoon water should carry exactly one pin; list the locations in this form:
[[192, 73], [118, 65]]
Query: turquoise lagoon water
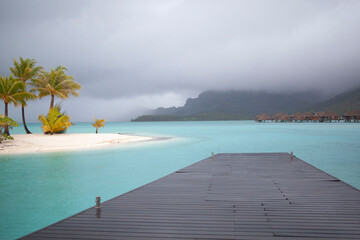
[[40, 189]]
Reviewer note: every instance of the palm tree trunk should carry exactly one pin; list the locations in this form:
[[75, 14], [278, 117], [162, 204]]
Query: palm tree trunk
[[52, 102], [6, 128], [23, 119], [96, 130]]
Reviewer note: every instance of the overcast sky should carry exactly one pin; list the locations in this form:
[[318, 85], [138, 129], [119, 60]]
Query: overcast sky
[[132, 55]]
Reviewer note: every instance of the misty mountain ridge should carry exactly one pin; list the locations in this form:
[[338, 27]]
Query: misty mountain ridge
[[236, 104], [245, 105], [346, 101]]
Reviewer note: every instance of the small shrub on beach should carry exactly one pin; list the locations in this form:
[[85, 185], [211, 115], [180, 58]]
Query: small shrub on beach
[[6, 122], [98, 124], [55, 121]]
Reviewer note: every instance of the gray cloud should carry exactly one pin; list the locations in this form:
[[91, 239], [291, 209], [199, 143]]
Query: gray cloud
[[125, 51]]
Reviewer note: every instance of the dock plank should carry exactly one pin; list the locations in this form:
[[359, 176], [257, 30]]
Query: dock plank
[[234, 196]]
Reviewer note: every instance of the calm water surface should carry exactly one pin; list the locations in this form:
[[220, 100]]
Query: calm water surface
[[40, 189]]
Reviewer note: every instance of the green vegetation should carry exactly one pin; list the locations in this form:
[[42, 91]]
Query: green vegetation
[[98, 124], [55, 121], [6, 123], [55, 83], [12, 91], [24, 71]]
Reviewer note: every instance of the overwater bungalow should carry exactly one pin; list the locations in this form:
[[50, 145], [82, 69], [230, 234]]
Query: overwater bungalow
[[301, 117], [262, 117], [331, 116], [276, 117], [352, 116], [307, 116], [282, 117], [293, 117], [319, 117], [328, 116]]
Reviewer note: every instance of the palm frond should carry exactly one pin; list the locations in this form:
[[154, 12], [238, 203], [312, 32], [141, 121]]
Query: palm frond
[[55, 83], [55, 121], [14, 91], [99, 123]]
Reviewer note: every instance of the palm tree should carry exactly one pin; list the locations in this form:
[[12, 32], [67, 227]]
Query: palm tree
[[55, 121], [98, 124], [25, 70], [55, 83], [12, 91]]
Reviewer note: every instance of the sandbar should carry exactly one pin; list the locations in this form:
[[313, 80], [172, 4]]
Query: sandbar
[[35, 143]]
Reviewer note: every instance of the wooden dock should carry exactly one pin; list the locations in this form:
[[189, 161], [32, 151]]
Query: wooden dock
[[234, 196]]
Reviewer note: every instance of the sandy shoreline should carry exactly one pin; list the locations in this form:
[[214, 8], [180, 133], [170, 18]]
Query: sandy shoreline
[[35, 143]]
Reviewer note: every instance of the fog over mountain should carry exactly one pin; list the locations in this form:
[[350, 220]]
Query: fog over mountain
[[130, 56]]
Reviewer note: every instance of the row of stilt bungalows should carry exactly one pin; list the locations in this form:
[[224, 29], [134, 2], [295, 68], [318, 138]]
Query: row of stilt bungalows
[[329, 116]]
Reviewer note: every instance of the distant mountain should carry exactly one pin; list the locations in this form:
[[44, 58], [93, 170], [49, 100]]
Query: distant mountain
[[234, 105], [349, 100], [194, 117]]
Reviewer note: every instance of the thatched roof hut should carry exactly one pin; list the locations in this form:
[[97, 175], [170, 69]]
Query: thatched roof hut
[[276, 116], [325, 116], [352, 115], [319, 116], [307, 116], [331, 115], [281, 117], [262, 117], [293, 117], [297, 117]]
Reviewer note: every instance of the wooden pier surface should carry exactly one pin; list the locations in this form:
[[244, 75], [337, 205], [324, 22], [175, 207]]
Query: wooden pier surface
[[234, 196]]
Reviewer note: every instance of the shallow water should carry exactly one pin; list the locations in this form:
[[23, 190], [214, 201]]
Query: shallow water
[[40, 189]]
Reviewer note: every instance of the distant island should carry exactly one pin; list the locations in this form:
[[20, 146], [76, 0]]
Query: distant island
[[246, 105]]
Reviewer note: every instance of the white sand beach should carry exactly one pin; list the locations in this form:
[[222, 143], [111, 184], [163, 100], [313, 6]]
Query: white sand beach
[[33, 143]]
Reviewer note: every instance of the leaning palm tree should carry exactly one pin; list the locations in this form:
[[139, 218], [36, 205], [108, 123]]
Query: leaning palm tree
[[55, 83], [25, 70], [12, 91], [98, 124]]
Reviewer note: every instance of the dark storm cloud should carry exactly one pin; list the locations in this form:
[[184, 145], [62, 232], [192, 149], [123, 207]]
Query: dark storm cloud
[[169, 50]]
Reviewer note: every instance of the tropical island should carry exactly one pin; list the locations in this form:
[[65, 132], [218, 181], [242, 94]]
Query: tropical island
[[29, 82], [248, 105]]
